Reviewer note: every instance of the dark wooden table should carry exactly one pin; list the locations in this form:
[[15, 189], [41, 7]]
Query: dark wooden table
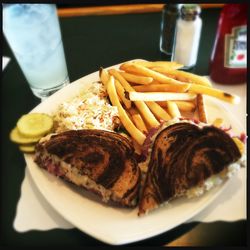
[[91, 42]]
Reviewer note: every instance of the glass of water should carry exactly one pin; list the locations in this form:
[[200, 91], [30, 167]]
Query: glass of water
[[33, 33]]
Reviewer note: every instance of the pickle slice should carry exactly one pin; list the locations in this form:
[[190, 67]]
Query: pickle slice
[[16, 137], [35, 124], [27, 148]]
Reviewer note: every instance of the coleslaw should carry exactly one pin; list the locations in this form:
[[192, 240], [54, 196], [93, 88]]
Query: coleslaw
[[88, 110]]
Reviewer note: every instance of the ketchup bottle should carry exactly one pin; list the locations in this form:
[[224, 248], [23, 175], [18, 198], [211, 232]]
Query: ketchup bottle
[[229, 56]]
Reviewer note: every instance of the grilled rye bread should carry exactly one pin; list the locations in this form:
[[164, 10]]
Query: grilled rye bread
[[100, 161], [183, 157]]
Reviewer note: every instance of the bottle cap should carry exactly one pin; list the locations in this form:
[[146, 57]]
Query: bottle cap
[[190, 11], [173, 7]]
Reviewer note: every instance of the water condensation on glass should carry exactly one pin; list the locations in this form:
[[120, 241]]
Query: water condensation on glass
[[33, 32], [32, 25]]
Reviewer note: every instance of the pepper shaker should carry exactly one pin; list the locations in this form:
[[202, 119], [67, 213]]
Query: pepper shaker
[[188, 32], [170, 14]]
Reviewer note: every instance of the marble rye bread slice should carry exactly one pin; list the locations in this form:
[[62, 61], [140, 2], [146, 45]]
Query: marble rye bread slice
[[100, 161], [183, 156]]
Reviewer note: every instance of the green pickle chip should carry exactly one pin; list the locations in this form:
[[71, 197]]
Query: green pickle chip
[[27, 148], [35, 124], [16, 137]]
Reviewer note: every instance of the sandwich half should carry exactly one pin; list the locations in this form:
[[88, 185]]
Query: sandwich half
[[100, 161], [187, 159]]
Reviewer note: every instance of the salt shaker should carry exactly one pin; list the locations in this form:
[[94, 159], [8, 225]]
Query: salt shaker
[[170, 14], [188, 32]]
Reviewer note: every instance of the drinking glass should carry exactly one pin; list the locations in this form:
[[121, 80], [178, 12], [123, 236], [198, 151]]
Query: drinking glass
[[33, 34]]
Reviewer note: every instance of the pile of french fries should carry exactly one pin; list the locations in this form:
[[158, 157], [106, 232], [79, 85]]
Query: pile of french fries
[[148, 93]]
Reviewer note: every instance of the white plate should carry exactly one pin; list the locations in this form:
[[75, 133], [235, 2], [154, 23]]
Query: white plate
[[109, 224]]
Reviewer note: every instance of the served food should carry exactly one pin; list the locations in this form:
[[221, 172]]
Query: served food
[[140, 134], [30, 129], [35, 125], [164, 95], [187, 159], [88, 110], [101, 161], [158, 91]]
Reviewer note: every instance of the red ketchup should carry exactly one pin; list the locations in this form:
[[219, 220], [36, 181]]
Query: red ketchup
[[228, 63]]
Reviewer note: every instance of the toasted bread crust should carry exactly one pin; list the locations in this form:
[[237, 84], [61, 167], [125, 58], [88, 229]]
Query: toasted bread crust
[[184, 156], [100, 161]]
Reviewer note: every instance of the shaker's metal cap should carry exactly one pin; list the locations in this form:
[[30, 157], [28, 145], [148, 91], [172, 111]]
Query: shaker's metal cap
[[190, 11], [173, 6]]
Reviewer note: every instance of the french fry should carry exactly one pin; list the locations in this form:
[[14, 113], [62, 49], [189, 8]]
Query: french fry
[[158, 111], [138, 121], [240, 144], [120, 91], [147, 114], [173, 109], [198, 89], [186, 106], [141, 70], [159, 96], [127, 123], [129, 115], [121, 79], [104, 76], [136, 79], [137, 147], [164, 64], [218, 122], [162, 91], [141, 106], [181, 88], [119, 98], [201, 108], [184, 76]]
